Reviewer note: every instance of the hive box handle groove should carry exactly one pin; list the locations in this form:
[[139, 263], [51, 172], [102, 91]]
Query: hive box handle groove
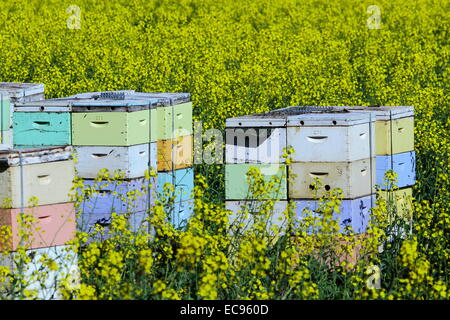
[[317, 139]]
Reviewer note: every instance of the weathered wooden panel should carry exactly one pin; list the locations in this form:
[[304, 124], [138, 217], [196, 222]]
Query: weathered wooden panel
[[48, 105], [332, 143], [49, 182], [132, 161], [42, 129], [6, 138], [47, 283], [111, 128], [352, 213], [21, 90], [175, 153], [237, 187], [123, 196], [356, 179], [255, 145], [11, 157], [404, 164], [54, 225], [182, 181]]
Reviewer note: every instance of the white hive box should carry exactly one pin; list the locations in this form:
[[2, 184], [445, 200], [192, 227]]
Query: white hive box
[[255, 139], [41, 279], [23, 92], [48, 174], [394, 128], [356, 178], [331, 137], [132, 161]]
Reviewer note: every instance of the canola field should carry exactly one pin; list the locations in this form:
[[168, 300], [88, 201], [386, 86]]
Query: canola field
[[237, 58]]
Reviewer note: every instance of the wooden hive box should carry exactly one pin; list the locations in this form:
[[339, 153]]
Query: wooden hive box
[[255, 139], [401, 199], [331, 136], [53, 225], [175, 153], [352, 213], [277, 219], [181, 179], [5, 112], [48, 281], [394, 127], [132, 161], [404, 164], [122, 196], [23, 92], [48, 174], [174, 116], [42, 123], [106, 122], [356, 178], [237, 187]]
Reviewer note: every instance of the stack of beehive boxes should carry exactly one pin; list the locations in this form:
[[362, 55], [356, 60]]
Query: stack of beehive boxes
[[47, 175], [394, 148], [122, 131], [335, 146], [10, 94], [175, 152]]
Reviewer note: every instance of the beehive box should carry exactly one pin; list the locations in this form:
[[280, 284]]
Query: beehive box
[[48, 174], [277, 220], [122, 196], [331, 137], [53, 225], [237, 187], [5, 112], [182, 180], [89, 222], [356, 179], [33, 129], [174, 117], [352, 213], [132, 161], [394, 127], [41, 279], [120, 123], [22, 92], [175, 153], [401, 199], [404, 164], [255, 139]]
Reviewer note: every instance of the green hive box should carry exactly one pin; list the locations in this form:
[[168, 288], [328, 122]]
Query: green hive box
[[5, 113], [178, 126], [113, 123], [173, 117], [237, 187]]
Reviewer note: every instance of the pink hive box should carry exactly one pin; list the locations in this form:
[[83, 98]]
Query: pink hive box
[[56, 224]]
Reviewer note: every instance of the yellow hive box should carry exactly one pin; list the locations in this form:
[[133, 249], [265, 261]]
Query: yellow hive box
[[174, 154], [401, 199]]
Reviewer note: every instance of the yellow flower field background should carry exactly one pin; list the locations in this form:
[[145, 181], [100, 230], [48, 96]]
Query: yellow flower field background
[[237, 58]]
